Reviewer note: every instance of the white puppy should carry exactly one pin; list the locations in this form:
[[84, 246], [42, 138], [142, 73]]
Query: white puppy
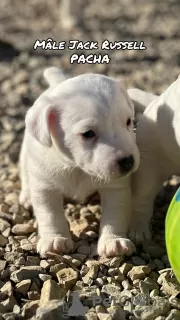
[[79, 138], [158, 140]]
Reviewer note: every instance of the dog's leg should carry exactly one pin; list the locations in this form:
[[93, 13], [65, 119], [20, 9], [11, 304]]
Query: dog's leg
[[116, 208], [24, 197], [146, 184], [53, 228]]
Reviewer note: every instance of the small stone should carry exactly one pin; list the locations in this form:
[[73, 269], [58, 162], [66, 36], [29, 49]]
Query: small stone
[[23, 228], [113, 272], [160, 307], [171, 287], [91, 274], [33, 295], [16, 309], [84, 249], [67, 277], [12, 256], [3, 241], [32, 261], [44, 264], [51, 291], [4, 225], [11, 198], [6, 233], [9, 303], [116, 261], [111, 289], [154, 293], [175, 301], [55, 268], [20, 261], [7, 288], [29, 272], [2, 265], [100, 309], [99, 282], [126, 285], [104, 316], [23, 286], [79, 256], [174, 315], [137, 261], [159, 263], [139, 272], [45, 277], [116, 313], [55, 309], [125, 268], [90, 316], [29, 309], [9, 316]]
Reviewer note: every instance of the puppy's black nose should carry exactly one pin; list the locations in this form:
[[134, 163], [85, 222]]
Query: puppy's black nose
[[126, 164]]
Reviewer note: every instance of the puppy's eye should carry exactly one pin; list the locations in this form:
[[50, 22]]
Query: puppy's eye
[[128, 123], [88, 134]]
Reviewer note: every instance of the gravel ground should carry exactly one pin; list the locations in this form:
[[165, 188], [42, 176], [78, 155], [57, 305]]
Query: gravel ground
[[140, 287]]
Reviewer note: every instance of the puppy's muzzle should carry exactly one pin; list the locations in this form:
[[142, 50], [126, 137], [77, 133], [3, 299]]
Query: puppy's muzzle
[[126, 164]]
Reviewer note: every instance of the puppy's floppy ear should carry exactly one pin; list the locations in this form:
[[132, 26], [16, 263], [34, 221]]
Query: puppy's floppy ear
[[124, 91], [39, 120]]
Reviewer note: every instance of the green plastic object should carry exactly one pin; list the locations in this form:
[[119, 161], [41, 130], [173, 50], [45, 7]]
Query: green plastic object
[[172, 233]]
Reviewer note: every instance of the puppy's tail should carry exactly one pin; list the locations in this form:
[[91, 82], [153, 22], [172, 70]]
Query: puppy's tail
[[54, 76]]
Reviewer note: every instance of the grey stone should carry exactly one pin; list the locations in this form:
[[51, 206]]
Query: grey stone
[[174, 315], [55, 309]]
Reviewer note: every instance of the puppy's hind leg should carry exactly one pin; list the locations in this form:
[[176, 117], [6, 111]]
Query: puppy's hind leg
[[24, 197]]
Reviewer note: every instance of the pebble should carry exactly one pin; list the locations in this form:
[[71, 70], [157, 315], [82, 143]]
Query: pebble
[[154, 293], [55, 309], [159, 263], [137, 261], [91, 274], [126, 285], [9, 303], [23, 286], [125, 268], [160, 308], [24, 228], [33, 295], [174, 315], [3, 240], [4, 225], [32, 261], [2, 265], [138, 272], [104, 316], [29, 309], [45, 277], [171, 287], [55, 268], [67, 277], [50, 291], [29, 272]]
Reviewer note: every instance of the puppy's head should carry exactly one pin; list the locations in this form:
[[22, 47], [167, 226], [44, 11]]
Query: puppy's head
[[90, 119]]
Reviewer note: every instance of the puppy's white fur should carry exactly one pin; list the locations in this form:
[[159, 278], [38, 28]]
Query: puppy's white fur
[[158, 140], [56, 160]]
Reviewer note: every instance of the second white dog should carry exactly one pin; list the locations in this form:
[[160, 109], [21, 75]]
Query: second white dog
[[79, 138], [158, 140]]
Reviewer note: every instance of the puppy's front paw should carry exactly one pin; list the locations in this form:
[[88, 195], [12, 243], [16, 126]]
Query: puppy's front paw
[[56, 244], [115, 246], [24, 200], [138, 232]]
